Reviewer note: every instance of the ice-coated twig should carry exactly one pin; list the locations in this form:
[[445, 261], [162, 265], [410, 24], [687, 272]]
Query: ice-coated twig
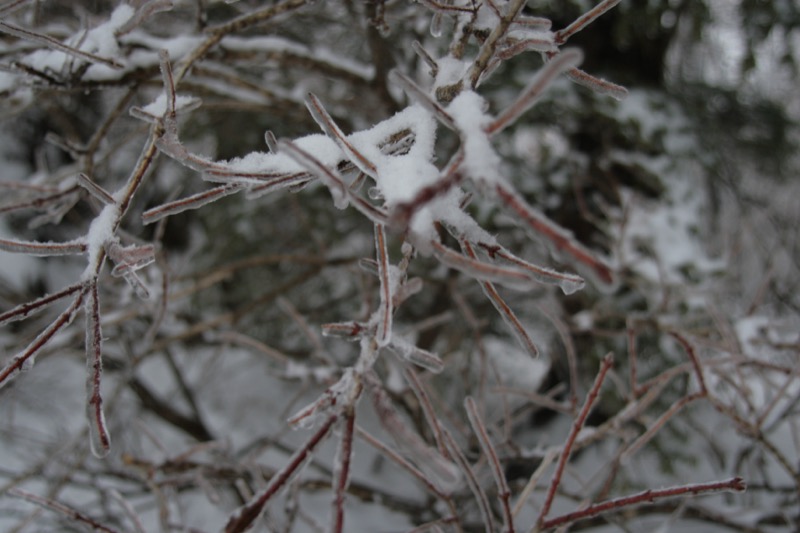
[[144, 12], [656, 426], [24, 360], [94, 189], [430, 460], [349, 330], [506, 313], [509, 277], [128, 509], [568, 283], [403, 212], [324, 120], [11, 6], [690, 351], [598, 85], [530, 486], [344, 456], [43, 249], [591, 397], [329, 399], [569, 348], [27, 309], [421, 97], [415, 355], [169, 86], [426, 57], [383, 334], [55, 44], [584, 20], [293, 182], [633, 358], [98, 431], [394, 456], [242, 519], [503, 492], [554, 234], [489, 46], [127, 260], [736, 484], [65, 510], [427, 407], [677, 406], [472, 481], [328, 176], [190, 202], [560, 63]]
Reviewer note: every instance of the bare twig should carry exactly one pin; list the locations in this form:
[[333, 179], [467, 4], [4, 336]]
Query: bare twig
[[246, 515], [736, 484], [62, 509], [591, 398], [494, 462]]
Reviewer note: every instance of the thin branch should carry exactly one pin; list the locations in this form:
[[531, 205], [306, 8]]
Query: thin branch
[[506, 313], [43, 249], [330, 177], [418, 95], [242, 519], [736, 484], [509, 277], [560, 63], [194, 201], [55, 44], [554, 234], [23, 361], [27, 309], [494, 462], [333, 131], [344, 456], [605, 366], [598, 85], [383, 334], [94, 189], [58, 507], [394, 456], [475, 486], [98, 431], [427, 408], [487, 51], [584, 20]]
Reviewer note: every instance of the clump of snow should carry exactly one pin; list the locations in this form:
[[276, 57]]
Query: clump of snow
[[322, 147], [100, 41], [450, 72], [468, 110], [100, 231]]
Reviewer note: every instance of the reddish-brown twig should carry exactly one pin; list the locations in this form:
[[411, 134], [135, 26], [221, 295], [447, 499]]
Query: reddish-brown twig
[[591, 397], [494, 462], [100, 439], [344, 456], [506, 313], [246, 515], [60, 508], [736, 484]]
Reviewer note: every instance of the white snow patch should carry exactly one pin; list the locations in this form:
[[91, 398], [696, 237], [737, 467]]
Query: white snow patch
[[481, 161]]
